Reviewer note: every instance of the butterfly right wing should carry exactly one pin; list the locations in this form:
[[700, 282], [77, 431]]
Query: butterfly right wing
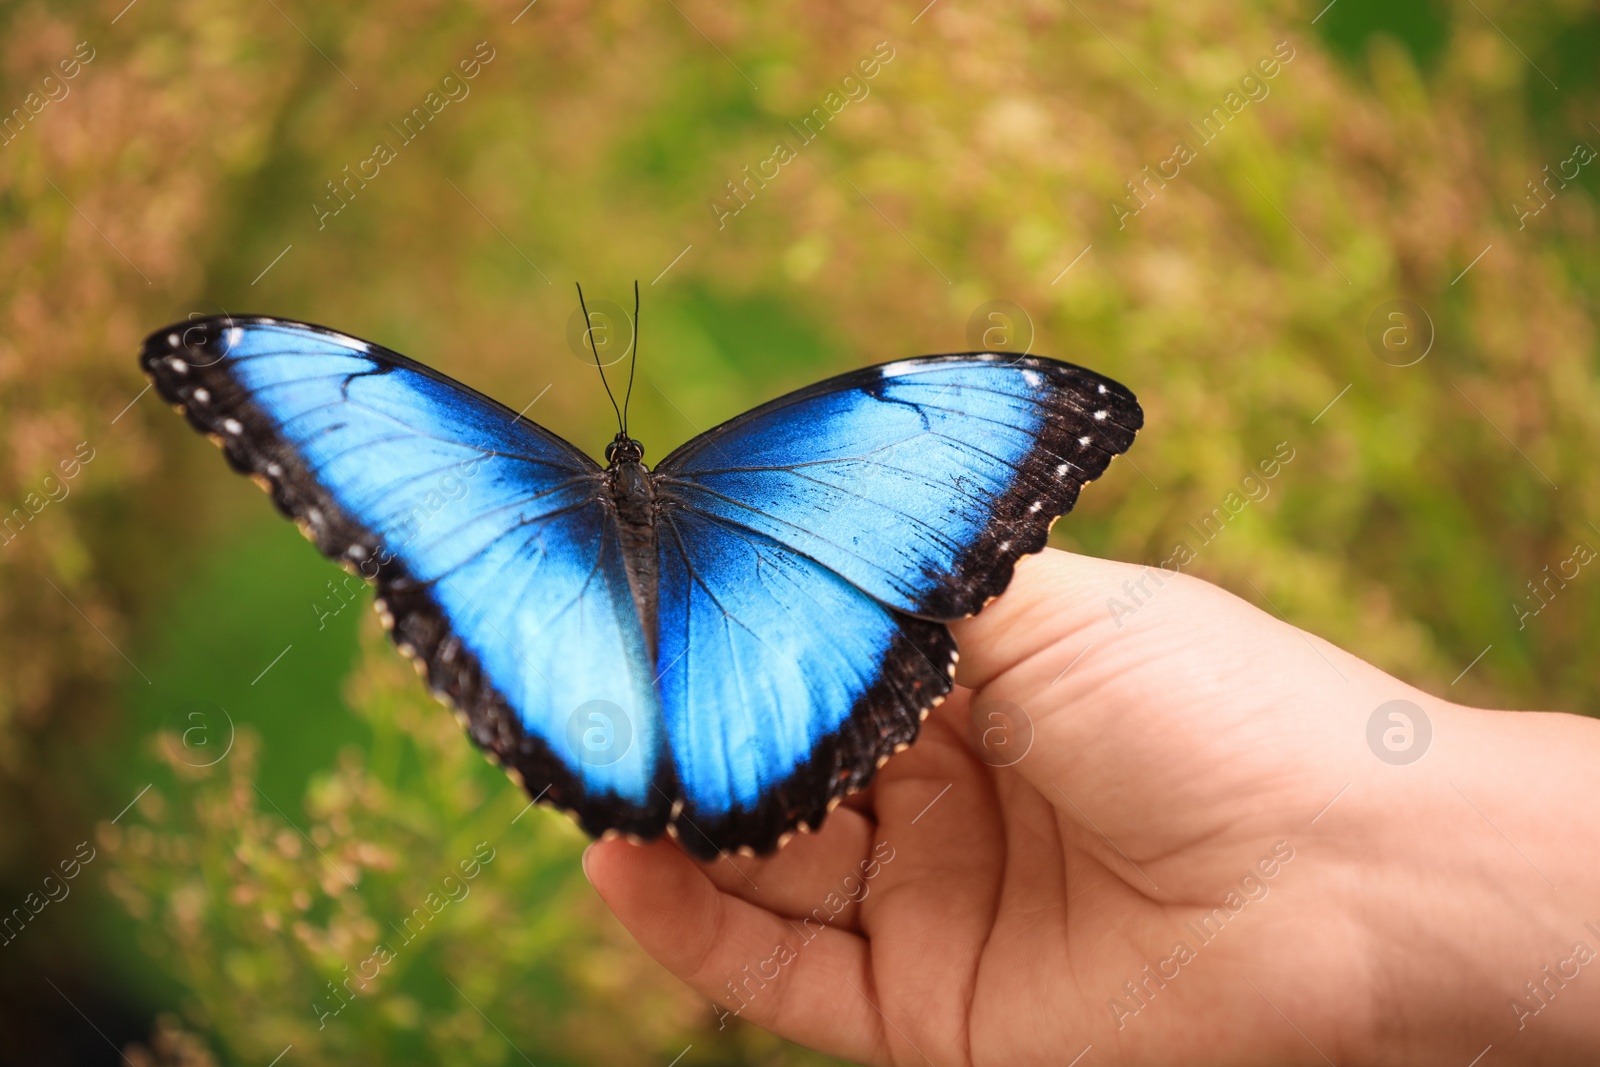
[[811, 547], [922, 481], [495, 550]]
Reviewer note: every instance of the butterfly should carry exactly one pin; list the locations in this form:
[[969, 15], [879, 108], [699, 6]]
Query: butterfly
[[720, 647]]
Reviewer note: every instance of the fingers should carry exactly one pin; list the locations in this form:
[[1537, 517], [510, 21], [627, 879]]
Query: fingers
[[784, 976], [807, 874], [940, 854], [823, 870]]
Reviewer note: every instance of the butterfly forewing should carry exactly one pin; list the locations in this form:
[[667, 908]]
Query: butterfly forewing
[[922, 481], [491, 541]]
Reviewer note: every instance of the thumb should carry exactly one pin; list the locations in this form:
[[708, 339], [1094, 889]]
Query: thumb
[[1159, 703], [1060, 606], [1053, 597]]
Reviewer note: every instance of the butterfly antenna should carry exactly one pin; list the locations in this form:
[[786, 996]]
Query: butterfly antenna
[[588, 331], [633, 361]]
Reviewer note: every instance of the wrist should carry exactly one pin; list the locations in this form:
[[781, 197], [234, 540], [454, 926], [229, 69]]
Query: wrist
[[1483, 913]]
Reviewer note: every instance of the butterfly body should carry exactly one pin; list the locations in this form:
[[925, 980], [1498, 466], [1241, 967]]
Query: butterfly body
[[634, 496], [720, 647]]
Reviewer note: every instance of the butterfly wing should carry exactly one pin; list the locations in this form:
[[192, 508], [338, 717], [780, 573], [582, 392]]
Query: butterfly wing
[[921, 482], [492, 542], [783, 685], [810, 547]]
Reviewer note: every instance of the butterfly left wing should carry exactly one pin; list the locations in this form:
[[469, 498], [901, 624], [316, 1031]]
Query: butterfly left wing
[[494, 547], [809, 548]]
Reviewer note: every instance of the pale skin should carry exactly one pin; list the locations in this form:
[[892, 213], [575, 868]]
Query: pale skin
[[1179, 760]]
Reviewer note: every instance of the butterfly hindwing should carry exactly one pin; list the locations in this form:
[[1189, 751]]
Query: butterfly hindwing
[[783, 686], [921, 482], [496, 555]]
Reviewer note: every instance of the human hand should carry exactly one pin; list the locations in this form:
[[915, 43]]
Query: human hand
[[1199, 858]]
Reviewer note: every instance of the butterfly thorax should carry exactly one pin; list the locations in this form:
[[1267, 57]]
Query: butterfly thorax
[[634, 497]]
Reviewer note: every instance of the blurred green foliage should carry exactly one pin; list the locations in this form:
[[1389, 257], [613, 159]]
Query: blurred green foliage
[[178, 175]]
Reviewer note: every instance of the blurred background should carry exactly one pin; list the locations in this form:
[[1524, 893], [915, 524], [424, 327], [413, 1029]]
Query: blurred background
[[221, 786]]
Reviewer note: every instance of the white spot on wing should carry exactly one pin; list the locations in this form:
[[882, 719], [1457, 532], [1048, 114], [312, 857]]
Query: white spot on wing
[[1101, 390], [202, 395], [1063, 469], [235, 335], [1084, 441], [1032, 377], [898, 368], [233, 426], [172, 340], [1099, 416]]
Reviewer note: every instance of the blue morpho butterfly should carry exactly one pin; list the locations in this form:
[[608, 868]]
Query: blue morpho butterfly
[[721, 647]]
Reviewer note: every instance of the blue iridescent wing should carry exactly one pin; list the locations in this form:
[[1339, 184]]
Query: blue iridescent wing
[[783, 686], [920, 482], [492, 542], [811, 549]]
